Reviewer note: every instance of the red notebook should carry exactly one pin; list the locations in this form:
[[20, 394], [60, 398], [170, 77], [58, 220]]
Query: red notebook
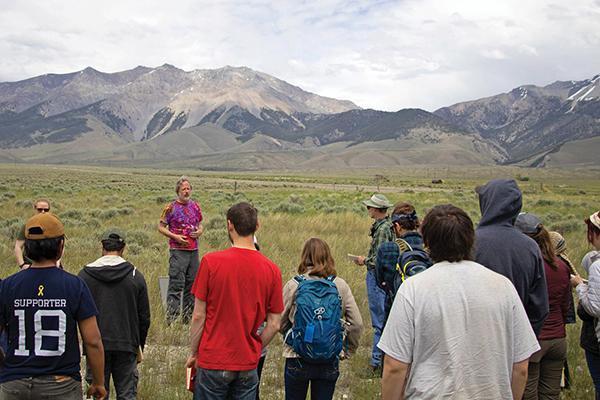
[[190, 378]]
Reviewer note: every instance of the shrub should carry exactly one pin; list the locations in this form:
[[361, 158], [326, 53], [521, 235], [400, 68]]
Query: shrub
[[25, 203], [289, 208], [295, 199], [139, 237], [163, 199], [215, 237], [108, 213], [11, 231], [568, 225], [545, 202], [71, 214], [217, 222], [133, 248], [125, 211]]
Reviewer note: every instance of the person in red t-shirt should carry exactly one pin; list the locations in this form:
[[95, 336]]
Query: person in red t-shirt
[[235, 291]]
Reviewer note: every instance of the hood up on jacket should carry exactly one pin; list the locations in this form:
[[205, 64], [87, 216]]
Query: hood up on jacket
[[500, 201], [109, 269]]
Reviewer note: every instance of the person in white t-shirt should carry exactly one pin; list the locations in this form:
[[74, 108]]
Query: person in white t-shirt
[[457, 330]]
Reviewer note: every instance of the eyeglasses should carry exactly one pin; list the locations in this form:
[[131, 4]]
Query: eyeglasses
[[42, 210]]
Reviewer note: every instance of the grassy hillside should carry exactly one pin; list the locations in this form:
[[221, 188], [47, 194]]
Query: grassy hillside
[[318, 204]]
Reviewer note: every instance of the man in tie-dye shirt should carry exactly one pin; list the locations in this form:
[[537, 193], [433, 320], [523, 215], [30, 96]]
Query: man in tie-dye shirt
[[181, 222]]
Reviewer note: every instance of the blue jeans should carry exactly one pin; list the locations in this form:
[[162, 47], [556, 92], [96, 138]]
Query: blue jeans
[[593, 362], [322, 379], [376, 298], [217, 384]]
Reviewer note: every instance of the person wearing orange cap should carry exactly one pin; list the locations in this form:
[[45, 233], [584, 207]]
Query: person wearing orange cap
[[41, 309]]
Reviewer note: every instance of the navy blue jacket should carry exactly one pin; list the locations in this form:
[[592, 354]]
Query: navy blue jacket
[[506, 250]]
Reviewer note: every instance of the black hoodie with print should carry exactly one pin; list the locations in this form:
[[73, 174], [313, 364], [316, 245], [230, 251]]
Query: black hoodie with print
[[504, 249], [121, 295]]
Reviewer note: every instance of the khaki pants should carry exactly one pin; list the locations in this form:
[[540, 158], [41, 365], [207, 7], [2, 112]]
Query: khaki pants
[[545, 370], [42, 388]]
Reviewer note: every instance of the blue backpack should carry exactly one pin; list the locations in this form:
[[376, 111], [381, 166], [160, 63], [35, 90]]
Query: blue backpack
[[396, 262], [317, 334]]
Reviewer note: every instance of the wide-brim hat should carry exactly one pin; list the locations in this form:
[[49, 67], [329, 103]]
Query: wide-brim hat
[[44, 226], [377, 201]]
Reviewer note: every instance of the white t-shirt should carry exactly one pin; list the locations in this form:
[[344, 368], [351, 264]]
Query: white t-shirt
[[461, 327]]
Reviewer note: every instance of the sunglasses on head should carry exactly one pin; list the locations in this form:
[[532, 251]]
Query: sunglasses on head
[[42, 209]]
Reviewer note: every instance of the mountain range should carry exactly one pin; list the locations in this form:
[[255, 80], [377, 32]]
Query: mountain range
[[238, 118]]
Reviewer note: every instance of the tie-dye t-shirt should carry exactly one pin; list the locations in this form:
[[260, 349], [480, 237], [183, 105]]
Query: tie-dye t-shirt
[[182, 219]]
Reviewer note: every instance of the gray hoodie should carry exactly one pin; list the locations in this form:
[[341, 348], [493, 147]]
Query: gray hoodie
[[506, 250]]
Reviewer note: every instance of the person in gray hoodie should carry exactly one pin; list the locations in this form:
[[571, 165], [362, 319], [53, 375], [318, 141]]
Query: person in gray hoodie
[[505, 250], [121, 295]]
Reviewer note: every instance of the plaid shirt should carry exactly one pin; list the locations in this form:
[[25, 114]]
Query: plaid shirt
[[381, 231]]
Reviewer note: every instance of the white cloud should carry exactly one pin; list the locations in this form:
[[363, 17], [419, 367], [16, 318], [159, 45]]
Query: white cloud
[[379, 54]]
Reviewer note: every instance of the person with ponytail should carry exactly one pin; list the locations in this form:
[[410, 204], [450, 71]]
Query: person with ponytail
[[546, 365]]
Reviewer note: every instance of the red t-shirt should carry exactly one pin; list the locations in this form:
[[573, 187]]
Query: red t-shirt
[[239, 286], [559, 299]]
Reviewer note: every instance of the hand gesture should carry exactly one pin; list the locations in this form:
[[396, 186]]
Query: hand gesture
[[181, 239], [197, 233], [360, 260]]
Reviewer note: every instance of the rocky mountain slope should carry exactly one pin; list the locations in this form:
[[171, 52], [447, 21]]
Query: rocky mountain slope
[[144, 102], [239, 118], [532, 120]]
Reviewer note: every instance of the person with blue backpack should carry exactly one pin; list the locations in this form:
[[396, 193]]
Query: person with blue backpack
[[402, 258], [321, 323]]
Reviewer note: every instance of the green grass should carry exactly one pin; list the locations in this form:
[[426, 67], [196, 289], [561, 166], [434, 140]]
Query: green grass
[[292, 208]]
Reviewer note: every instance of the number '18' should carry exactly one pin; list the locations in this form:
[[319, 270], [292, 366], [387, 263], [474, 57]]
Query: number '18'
[[59, 333]]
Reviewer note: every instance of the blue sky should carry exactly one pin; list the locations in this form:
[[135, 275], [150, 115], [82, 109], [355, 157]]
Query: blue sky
[[385, 55]]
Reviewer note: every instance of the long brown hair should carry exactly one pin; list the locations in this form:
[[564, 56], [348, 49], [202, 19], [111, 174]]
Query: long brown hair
[[542, 238], [316, 259]]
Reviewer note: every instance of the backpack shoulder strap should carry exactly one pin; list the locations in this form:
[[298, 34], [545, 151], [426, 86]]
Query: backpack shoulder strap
[[330, 278], [299, 278], [403, 245]]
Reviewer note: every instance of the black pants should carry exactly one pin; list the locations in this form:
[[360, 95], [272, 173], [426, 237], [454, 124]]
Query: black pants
[[122, 365], [183, 266]]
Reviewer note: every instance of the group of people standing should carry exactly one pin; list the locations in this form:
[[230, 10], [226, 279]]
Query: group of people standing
[[484, 319]]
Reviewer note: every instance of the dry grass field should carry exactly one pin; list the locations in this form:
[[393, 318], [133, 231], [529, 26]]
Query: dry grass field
[[292, 208]]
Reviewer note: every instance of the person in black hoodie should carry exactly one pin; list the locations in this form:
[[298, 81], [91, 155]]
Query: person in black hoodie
[[504, 249], [121, 295]]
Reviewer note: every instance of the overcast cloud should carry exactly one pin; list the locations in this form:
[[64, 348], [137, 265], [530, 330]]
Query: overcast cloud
[[381, 54]]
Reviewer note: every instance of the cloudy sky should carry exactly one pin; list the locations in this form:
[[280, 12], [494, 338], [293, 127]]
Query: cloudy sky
[[381, 54]]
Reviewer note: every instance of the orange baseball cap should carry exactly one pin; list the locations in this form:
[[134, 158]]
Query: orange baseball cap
[[44, 226]]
